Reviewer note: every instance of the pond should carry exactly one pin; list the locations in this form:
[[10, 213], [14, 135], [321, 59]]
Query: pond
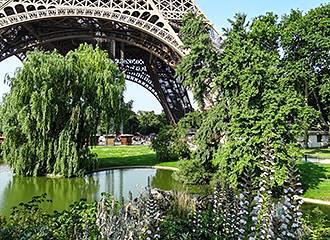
[[64, 191]]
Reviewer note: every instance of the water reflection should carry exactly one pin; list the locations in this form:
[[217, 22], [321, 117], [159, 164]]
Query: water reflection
[[63, 192], [119, 182]]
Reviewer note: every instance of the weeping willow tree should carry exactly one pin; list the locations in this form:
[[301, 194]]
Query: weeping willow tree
[[53, 109]]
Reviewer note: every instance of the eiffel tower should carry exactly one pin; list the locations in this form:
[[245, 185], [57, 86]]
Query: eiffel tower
[[140, 35]]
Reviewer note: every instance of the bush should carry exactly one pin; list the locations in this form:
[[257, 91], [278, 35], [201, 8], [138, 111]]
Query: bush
[[192, 172], [170, 146], [317, 225], [155, 214], [27, 221], [30, 221]]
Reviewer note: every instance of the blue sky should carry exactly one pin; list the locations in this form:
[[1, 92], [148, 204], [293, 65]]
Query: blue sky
[[218, 12]]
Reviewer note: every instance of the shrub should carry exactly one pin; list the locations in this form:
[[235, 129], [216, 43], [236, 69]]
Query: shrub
[[27, 221], [170, 145], [317, 225], [192, 172], [225, 214], [30, 221]]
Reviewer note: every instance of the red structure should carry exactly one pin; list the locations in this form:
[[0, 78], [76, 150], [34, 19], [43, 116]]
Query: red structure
[[126, 139]]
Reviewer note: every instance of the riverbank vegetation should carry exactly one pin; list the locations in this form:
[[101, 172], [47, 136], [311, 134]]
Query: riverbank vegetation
[[155, 215], [253, 98], [54, 107], [258, 92], [315, 178], [258, 95]]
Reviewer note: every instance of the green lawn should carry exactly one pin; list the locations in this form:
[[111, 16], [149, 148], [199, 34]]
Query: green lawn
[[318, 152], [115, 156], [168, 164], [316, 179]]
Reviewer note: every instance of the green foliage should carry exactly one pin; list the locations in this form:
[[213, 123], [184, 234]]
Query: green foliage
[[305, 40], [198, 69], [175, 228], [199, 169], [190, 122], [317, 225], [3, 221], [149, 122], [166, 215], [30, 221], [78, 222], [54, 108], [262, 109], [125, 120], [129, 118], [169, 145], [256, 106], [192, 172]]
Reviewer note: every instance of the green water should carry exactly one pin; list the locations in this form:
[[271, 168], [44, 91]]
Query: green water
[[64, 192]]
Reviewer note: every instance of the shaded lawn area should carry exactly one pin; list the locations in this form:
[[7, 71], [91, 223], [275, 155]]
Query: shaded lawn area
[[316, 180], [318, 152], [116, 156]]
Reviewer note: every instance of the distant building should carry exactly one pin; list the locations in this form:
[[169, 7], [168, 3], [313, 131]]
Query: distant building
[[317, 139]]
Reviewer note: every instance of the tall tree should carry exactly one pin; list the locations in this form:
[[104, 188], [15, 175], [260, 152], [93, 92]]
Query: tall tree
[[256, 107], [53, 110], [251, 131], [264, 112], [198, 69], [125, 120], [305, 41]]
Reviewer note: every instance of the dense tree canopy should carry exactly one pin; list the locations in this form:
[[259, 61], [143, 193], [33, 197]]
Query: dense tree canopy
[[198, 69], [54, 108], [149, 122], [125, 121], [268, 84], [305, 40], [258, 83]]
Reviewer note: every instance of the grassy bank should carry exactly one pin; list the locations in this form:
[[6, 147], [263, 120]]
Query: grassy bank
[[116, 156], [316, 179], [318, 152]]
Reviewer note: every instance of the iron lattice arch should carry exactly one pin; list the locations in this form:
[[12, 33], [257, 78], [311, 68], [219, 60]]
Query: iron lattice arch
[[140, 35]]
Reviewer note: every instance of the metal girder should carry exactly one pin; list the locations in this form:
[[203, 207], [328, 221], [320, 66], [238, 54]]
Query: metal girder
[[140, 35]]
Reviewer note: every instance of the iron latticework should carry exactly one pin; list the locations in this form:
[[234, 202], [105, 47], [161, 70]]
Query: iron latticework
[[140, 35]]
